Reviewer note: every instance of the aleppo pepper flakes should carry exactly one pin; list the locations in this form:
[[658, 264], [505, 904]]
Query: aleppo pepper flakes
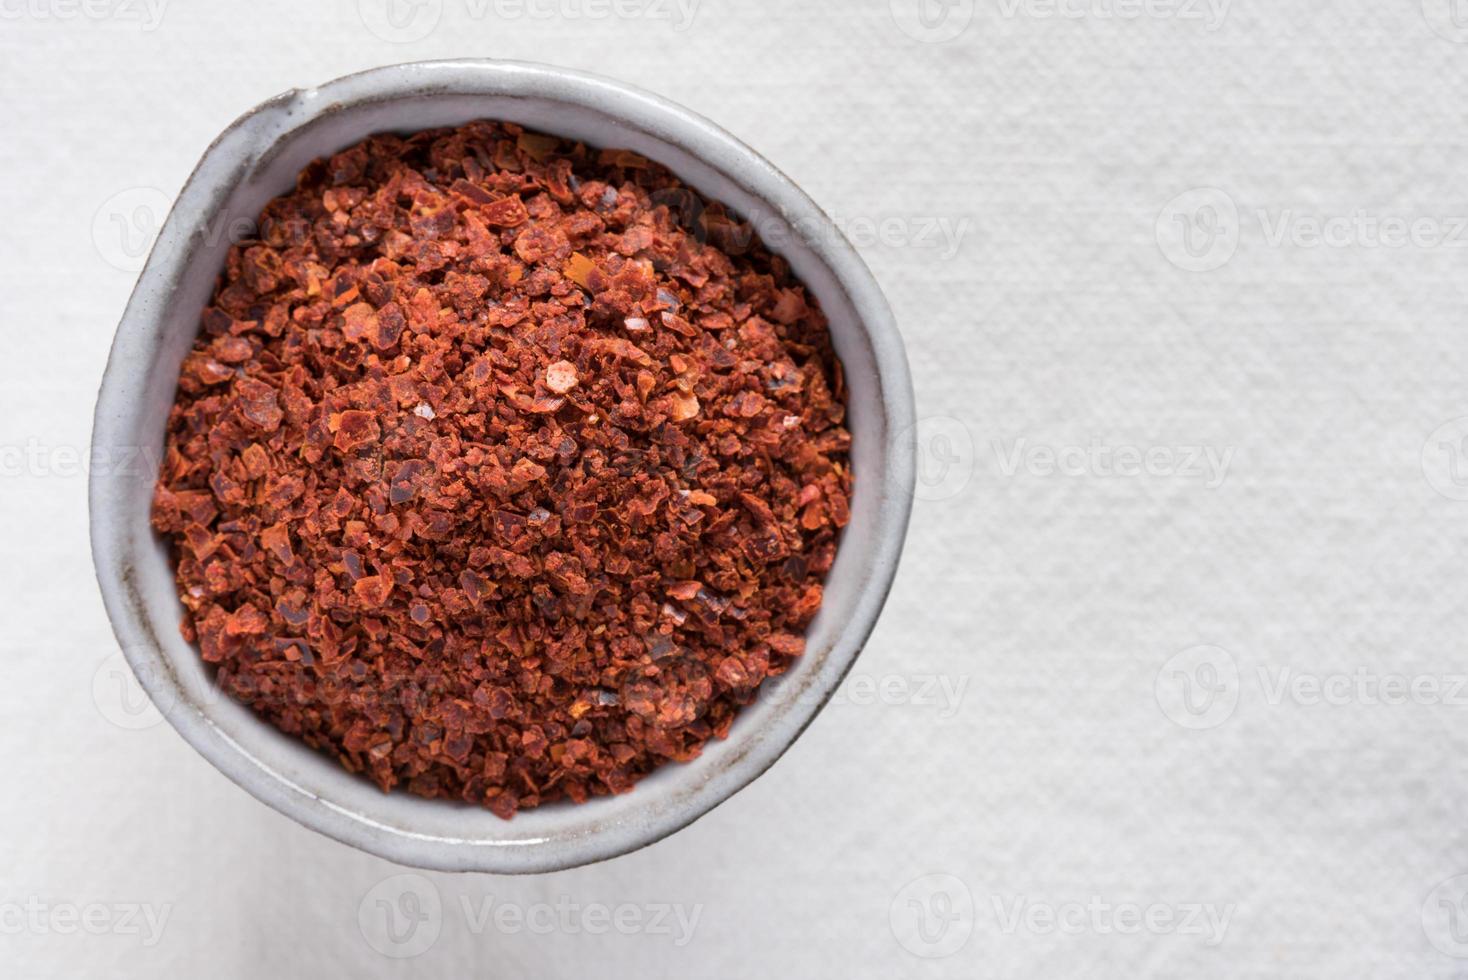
[[493, 480]]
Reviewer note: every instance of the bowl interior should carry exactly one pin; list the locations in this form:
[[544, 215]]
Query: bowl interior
[[257, 159]]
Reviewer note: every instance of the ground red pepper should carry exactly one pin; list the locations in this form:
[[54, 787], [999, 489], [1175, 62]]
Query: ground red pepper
[[503, 468]]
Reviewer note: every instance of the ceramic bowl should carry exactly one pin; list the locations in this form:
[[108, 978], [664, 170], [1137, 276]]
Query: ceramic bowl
[[257, 158]]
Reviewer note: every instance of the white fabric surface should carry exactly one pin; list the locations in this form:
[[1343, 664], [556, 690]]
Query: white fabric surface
[[1053, 601]]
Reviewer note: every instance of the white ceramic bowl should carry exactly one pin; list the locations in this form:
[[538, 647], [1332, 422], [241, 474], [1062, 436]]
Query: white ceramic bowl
[[257, 158]]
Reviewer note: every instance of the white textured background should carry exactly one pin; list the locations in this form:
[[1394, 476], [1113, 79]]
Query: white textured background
[[1069, 777]]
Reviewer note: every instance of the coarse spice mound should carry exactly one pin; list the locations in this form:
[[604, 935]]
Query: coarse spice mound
[[503, 468]]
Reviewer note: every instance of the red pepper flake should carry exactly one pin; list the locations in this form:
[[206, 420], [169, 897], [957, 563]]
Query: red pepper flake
[[359, 321], [206, 370], [508, 212], [682, 406], [790, 306], [246, 621], [580, 269], [732, 674], [258, 404], [277, 540], [537, 145], [619, 347], [684, 590], [353, 429], [373, 590], [787, 644], [560, 377], [493, 480], [232, 350], [256, 461]]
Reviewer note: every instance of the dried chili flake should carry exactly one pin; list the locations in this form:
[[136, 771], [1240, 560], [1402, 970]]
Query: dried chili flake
[[354, 428], [580, 270], [246, 620], [491, 478], [258, 404], [560, 377], [507, 212], [277, 540], [682, 406]]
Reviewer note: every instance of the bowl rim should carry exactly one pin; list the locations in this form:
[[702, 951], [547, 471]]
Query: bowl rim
[[114, 550]]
